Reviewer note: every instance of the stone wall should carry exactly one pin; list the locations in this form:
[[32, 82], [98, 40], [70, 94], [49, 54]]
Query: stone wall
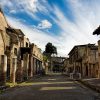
[[3, 22], [85, 60], [1, 44], [37, 52]]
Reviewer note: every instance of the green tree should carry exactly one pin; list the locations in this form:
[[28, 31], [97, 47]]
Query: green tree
[[49, 50], [97, 31]]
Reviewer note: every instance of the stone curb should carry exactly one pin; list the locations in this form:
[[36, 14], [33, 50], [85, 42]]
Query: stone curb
[[91, 86]]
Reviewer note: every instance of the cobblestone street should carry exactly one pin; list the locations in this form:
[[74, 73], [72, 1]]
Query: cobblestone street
[[51, 87]]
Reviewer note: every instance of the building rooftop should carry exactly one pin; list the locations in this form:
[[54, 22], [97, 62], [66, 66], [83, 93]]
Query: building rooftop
[[17, 31], [92, 46]]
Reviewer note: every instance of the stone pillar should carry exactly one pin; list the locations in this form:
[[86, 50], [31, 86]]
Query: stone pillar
[[34, 66], [99, 58], [21, 70], [83, 70], [92, 71], [3, 69], [13, 72], [74, 67], [46, 67], [88, 70], [31, 67], [26, 66], [38, 65], [41, 65]]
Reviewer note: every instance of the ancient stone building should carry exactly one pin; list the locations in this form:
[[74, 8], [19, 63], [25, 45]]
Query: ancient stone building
[[57, 64], [90, 61], [19, 59], [97, 32], [4, 38], [4, 42], [76, 56], [67, 66], [84, 59], [19, 46], [36, 60], [12, 53]]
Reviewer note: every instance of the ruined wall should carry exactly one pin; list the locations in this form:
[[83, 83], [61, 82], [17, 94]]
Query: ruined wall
[[4, 38], [3, 22], [25, 42], [37, 52], [1, 45], [81, 52]]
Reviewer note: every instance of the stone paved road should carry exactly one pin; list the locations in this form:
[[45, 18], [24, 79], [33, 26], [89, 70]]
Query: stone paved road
[[52, 87]]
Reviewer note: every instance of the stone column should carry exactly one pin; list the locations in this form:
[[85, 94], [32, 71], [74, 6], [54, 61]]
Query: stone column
[[21, 71], [3, 69], [46, 67], [74, 67], [26, 66], [31, 67], [99, 58], [92, 71], [83, 70], [40, 67], [88, 70], [34, 66], [13, 73]]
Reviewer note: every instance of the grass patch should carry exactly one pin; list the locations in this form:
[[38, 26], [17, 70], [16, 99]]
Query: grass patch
[[25, 84], [11, 84], [19, 84]]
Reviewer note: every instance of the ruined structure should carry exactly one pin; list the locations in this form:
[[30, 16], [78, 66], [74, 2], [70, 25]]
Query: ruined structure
[[97, 32], [67, 66], [4, 42], [19, 59], [36, 60], [57, 64], [84, 59]]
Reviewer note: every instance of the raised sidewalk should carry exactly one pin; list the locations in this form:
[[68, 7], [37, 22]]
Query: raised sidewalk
[[93, 83]]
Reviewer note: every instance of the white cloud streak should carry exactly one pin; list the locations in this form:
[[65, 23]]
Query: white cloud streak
[[36, 36], [86, 19], [80, 31], [28, 6]]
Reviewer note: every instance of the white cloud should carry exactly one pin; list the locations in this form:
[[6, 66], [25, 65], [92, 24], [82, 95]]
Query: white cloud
[[36, 36], [45, 24], [80, 30], [41, 38], [12, 11], [86, 18], [31, 7]]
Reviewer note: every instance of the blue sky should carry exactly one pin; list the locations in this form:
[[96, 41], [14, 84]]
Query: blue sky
[[65, 23]]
